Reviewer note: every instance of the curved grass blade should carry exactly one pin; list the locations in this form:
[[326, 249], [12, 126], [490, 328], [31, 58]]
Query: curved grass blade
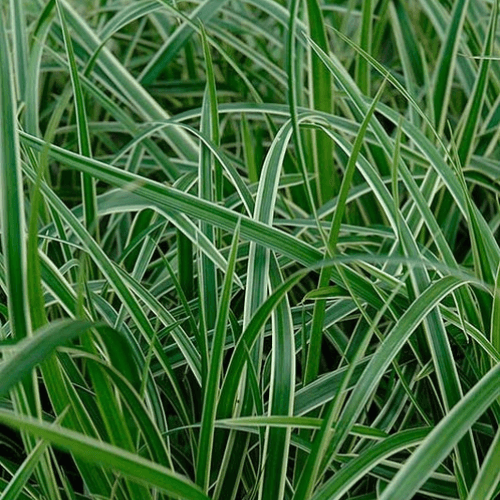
[[15, 486], [487, 480], [26, 399], [32, 351], [449, 383], [204, 12], [128, 86], [246, 341], [256, 290], [358, 467], [385, 354], [444, 437], [129, 464], [115, 278], [314, 351], [190, 205], [134, 402]]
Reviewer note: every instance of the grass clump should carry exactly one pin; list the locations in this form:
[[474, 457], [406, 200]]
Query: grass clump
[[249, 250]]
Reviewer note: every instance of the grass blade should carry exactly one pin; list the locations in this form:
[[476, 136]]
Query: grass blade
[[129, 464], [444, 437], [211, 393], [88, 185], [13, 226]]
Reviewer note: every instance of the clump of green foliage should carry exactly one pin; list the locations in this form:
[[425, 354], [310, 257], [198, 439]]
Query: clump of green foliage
[[249, 250]]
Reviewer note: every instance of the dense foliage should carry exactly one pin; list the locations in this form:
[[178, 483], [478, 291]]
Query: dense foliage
[[249, 249]]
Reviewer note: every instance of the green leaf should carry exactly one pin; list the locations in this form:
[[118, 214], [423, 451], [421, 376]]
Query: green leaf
[[204, 12], [211, 392], [446, 63], [12, 208], [88, 185], [98, 452], [486, 482], [34, 350], [444, 437]]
